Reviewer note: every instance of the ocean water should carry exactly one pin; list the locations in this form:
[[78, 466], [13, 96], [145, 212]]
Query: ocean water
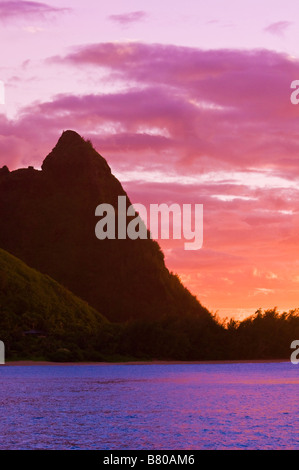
[[151, 407]]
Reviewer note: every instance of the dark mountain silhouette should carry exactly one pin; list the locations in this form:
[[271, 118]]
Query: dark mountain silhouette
[[48, 221]]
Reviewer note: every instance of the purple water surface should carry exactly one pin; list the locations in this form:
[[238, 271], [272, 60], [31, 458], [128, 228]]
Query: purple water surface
[[203, 406]]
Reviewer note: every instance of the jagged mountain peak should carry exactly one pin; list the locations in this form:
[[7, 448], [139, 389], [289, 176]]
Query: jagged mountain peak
[[70, 136], [50, 224], [75, 156]]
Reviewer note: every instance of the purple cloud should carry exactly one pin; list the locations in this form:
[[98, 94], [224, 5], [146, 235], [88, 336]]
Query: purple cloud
[[200, 110], [278, 28], [21, 9], [127, 18]]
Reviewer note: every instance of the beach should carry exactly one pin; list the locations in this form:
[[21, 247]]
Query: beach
[[141, 363]]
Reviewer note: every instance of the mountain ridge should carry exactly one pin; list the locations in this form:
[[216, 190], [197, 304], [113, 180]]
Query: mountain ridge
[[50, 225]]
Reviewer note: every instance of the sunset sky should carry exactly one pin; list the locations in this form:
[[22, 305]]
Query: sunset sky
[[189, 102]]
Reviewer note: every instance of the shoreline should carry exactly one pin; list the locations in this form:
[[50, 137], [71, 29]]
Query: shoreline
[[141, 363]]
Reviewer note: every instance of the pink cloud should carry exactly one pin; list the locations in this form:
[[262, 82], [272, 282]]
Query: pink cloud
[[255, 82], [278, 28], [219, 107], [197, 110], [238, 236], [21, 9], [127, 18]]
